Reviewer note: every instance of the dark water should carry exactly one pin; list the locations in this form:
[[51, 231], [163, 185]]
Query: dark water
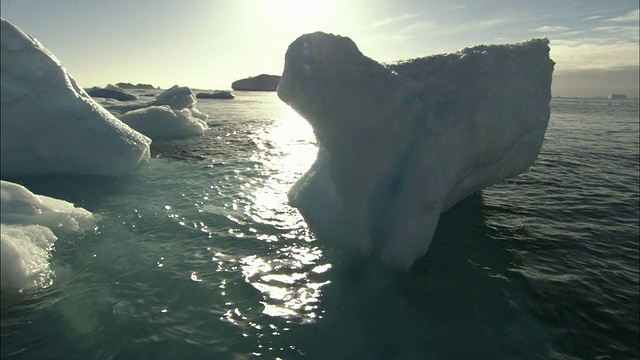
[[198, 256]]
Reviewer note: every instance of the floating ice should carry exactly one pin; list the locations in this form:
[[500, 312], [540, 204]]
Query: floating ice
[[172, 114], [30, 224], [400, 144], [50, 124]]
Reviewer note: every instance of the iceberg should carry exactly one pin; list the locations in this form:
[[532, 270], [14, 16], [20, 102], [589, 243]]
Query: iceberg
[[111, 92], [177, 97], [402, 143], [262, 82], [50, 124], [30, 226], [172, 114]]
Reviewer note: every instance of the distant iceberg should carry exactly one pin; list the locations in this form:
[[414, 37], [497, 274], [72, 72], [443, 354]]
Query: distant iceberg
[[139, 86], [262, 82], [617, 96], [218, 94], [50, 124], [30, 226], [111, 92], [400, 144]]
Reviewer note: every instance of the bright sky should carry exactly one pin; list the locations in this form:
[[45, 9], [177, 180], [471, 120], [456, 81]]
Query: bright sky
[[207, 44]]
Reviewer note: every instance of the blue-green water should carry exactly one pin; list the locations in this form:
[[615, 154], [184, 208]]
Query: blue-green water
[[198, 256]]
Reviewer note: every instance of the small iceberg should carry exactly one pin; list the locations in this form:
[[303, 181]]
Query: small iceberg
[[171, 115]]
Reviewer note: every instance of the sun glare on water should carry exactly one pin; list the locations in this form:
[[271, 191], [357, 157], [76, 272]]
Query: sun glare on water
[[289, 279]]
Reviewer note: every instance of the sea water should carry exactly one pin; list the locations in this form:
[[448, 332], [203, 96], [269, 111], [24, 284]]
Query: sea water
[[197, 255]]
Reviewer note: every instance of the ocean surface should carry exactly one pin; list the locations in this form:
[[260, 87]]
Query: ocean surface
[[197, 255]]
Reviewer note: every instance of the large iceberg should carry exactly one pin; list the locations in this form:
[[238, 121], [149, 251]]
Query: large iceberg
[[30, 226], [400, 144], [50, 124]]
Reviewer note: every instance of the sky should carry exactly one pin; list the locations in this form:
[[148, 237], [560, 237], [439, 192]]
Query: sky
[[207, 44]]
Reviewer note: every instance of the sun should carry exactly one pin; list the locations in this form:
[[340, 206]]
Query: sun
[[293, 6], [298, 16]]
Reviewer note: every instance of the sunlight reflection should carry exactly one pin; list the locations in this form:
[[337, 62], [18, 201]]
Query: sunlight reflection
[[288, 295], [290, 278], [293, 137], [289, 149]]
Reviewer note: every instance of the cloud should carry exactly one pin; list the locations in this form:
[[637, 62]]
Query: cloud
[[632, 15], [551, 29], [394, 20], [618, 33], [593, 54], [458, 7], [609, 44], [598, 44], [432, 29]]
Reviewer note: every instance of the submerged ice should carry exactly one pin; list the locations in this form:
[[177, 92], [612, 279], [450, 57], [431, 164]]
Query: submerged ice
[[50, 124], [400, 144]]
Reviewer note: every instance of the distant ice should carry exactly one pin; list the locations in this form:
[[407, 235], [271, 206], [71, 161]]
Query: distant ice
[[400, 144], [30, 226], [50, 124]]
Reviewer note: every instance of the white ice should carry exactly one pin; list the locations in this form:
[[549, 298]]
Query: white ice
[[30, 224], [400, 144], [173, 114], [50, 124]]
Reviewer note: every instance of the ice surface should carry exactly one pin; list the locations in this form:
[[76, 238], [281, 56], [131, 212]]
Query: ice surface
[[50, 124], [30, 226], [399, 144]]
